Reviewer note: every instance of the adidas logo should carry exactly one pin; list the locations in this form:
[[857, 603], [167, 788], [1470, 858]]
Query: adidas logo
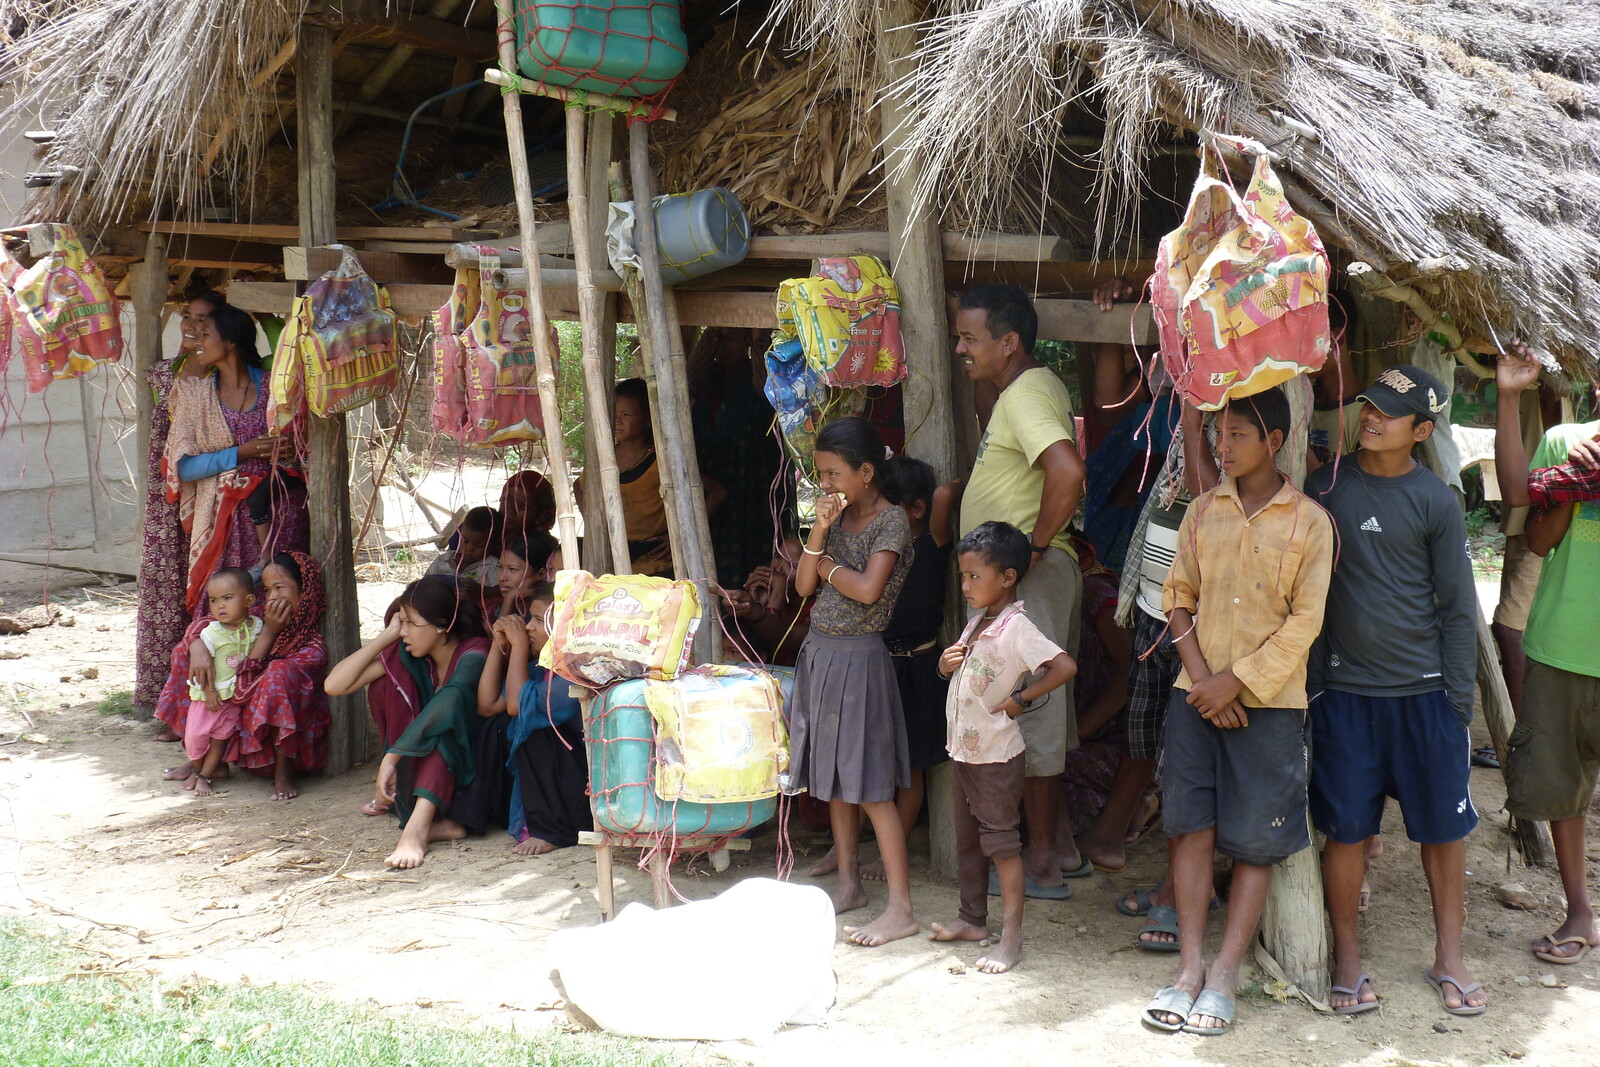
[[1372, 525]]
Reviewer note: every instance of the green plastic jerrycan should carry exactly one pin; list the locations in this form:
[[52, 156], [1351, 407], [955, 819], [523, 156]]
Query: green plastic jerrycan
[[620, 48]]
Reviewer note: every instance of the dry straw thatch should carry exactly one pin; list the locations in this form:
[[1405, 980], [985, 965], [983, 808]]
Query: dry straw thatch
[[138, 90], [1456, 144]]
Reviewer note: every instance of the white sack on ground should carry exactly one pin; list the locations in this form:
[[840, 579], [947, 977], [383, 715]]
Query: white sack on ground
[[736, 967]]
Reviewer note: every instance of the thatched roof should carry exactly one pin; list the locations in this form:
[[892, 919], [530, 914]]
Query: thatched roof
[[1454, 143]]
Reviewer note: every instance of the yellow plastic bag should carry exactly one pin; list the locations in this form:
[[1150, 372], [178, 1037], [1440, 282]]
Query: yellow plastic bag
[[720, 735], [611, 627]]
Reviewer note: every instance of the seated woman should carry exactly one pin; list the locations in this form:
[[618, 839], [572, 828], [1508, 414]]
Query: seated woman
[[548, 803], [523, 562], [431, 654], [642, 505], [527, 505], [284, 726], [772, 617]]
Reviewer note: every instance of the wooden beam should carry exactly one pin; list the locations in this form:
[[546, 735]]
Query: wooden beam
[[431, 35], [270, 70], [398, 57], [262, 231], [622, 105], [224, 252], [385, 268], [329, 472], [957, 247]]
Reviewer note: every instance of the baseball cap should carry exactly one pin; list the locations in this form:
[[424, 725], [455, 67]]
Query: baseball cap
[[1407, 390]]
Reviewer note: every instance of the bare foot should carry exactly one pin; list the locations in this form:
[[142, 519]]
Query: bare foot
[[532, 846], [1104, 855], [958, 930], [407, 855], [825, 866], [1004, 956], [283, 787], [177, 774], [442, 829], [201, 786], [890, 926], [873, 872], [1045, 870], [166, 734], [189, 782], [849, 898]]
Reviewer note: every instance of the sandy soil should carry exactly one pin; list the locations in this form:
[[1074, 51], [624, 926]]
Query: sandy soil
[[296, 893]]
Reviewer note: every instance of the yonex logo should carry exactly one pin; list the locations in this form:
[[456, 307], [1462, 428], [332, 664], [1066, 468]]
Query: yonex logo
[[1372, 525]]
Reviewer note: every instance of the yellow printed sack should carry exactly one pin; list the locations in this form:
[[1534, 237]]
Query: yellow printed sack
[[847, 317], [611, 627], [720, 735]]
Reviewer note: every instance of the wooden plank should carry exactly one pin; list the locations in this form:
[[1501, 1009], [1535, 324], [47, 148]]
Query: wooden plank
[[385, 268], [957, 247], [199, 251], [329, 472], [1080, 320], [431, 35], [264, 231]]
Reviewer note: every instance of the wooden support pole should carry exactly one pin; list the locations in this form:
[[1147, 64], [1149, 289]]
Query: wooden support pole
[[597, 556], [329, 495], [148, 289], [596, 378], [1293, 927], [1533, 838], [675, 431], [629, 108], [544, 352]]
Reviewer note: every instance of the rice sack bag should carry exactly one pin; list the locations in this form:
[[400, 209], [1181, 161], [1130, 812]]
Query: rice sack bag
[[720, 735], [1240, 289], [609, 627]]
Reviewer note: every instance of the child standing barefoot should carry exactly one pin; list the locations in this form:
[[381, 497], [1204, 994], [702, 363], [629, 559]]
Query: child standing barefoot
[[211, 734], [847, 736], [989, 670]]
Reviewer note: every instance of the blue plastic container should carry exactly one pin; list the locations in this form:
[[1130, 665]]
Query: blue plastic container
[[619, 737], [700, 232], [617, 47]]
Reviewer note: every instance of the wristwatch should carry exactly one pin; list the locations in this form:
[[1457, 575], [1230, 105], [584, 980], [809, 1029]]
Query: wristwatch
[[1039, 548]]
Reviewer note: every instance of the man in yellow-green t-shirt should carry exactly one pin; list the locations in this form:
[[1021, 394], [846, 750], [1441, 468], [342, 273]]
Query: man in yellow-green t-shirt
[[1553, 760], [1028, 473]]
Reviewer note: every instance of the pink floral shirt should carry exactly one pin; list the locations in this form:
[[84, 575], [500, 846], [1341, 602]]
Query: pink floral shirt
[[998, 661]]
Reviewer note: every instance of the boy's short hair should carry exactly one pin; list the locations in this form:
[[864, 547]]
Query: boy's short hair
[[1006, 309], [907, 481], [540, 591], [237, 575], [481, 519], [1266, 411], [1000, 544]]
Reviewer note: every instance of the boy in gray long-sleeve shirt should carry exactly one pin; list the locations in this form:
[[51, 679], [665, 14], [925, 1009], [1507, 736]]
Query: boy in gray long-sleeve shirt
[[1395, 665]]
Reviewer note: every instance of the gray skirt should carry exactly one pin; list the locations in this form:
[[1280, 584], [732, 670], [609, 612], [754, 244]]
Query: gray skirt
[[847, 735]]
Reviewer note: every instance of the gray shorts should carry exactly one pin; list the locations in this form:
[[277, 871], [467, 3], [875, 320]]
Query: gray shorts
[[1052, 594], [1553, 753], [1249, 783]]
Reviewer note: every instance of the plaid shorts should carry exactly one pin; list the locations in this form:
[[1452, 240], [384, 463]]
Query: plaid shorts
[[1150, 681]]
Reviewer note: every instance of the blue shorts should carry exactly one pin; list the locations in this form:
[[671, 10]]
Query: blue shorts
[[1414, 748]]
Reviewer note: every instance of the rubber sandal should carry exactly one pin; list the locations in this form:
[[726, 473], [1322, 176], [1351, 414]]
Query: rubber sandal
[[1364, 898], [1137, 834], [1216, 1005], [1141, 898], [1360, 1005], [1161, 920], [372, 807], [1173, 1001], [1485, 757], [1031, 889], [1083, 870], [1557, 942], [1465, 1009]]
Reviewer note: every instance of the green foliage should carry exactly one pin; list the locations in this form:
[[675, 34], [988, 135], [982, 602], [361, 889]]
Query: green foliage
[[58, 1008], [119, 702], [569, 379]]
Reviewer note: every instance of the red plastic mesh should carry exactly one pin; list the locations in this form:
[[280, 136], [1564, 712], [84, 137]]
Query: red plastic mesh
[[621, 36]]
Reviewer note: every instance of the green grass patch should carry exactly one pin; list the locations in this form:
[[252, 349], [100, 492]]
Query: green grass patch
[[59, 1007], [119, 702]]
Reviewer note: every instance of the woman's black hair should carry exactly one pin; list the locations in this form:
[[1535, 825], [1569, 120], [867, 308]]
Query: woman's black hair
[[535, 549], [1266, 411], [540, 591], [635, 389], [238, 329], [907, 481], [292, 566], [1001, 545], [854, 440], [209, 296], [435, 599]]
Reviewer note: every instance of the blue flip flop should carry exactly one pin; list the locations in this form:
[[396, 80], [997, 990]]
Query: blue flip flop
[[1083, 870], [1031, 889], [1218, 1006], [1161, 919]]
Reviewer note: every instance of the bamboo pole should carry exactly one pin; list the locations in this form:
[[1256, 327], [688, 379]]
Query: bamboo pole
[[670, 368], [582, 98], [591, 310], [647, 348], [602, 149], [544, 352]]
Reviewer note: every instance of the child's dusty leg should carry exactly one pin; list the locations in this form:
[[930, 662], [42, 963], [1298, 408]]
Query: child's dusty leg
[[208, 768], [1343, 867], [1043, 805], [1446, 866], [181, 773], [972, 872], [846, 820], [1246, 899], [897, 920], [1190, 880], [908, 802], [1004, 956], [283, 787]]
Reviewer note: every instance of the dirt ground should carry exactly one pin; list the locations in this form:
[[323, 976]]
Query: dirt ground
[[240, 887]]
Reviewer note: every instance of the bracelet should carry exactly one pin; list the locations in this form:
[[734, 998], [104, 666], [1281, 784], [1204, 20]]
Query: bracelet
[[1039, 548], [829, 578], [808, 550]]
